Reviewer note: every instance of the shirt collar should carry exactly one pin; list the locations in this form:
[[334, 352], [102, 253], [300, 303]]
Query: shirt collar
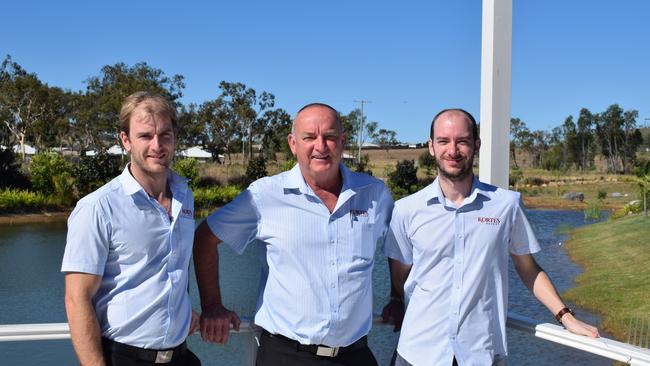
[[435, 194], [295, 180], [177, 184]]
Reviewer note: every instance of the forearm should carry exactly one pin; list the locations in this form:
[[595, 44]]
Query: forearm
[[206, 267], [84, 330], [398, 274], [538, 283]]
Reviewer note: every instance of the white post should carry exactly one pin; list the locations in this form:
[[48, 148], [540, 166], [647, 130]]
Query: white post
[[496, 60]]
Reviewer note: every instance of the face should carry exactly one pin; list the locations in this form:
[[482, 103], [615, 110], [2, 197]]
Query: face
[[453, 146], [317, 142], [150, 141]]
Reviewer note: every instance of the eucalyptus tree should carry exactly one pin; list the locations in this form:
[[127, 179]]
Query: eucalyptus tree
[[23, 100], [98, 115], [386, 139]]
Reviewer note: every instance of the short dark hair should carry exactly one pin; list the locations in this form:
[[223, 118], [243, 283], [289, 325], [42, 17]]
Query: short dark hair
[[317, 104], [469, 117]]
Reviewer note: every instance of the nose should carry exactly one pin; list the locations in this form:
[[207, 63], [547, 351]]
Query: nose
[[321, 143], [155, 142]]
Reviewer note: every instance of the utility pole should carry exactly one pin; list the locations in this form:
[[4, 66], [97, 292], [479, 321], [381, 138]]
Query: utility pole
[[360, 139]]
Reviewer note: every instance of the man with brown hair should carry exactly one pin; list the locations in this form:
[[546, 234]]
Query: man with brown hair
[[128, 250]]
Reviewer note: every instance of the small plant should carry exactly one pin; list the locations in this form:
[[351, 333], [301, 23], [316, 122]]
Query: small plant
[[189, 169], [514, 177], [593, 212], [602, 195], [404, 175], [256, 169], [94, 171]]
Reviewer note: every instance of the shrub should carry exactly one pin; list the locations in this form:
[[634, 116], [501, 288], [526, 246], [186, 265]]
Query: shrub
[[514, 176], [44, 167], [94, 171], [425, 160], [189, 169], [207, 198], [256, 169], [404, 175], [362, 166], [602, 195], [10, 174], [534, 181], [593, 211], [15, 200]]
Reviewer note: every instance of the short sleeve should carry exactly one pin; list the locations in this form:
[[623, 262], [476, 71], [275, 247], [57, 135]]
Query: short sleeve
[[237, 223], [522, 237], [385, 212], [398, 245], [88, 240]]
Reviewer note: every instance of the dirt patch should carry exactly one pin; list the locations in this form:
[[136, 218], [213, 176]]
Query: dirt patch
[[32, 218]]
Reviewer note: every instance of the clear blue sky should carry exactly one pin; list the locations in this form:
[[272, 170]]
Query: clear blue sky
[[410, 59]]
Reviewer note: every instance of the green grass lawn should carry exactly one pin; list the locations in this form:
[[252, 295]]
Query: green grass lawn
[[616, 282]]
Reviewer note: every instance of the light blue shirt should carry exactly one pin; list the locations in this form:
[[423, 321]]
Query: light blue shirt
[[457, 289], [121, 234], [316, 284]]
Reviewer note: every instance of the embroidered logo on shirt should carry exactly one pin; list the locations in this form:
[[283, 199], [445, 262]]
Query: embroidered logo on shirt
[[489, 220], [187, 213], [357, 213]]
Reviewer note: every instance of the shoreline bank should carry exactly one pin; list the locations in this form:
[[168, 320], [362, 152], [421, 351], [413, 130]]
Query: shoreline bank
[[616, 281]]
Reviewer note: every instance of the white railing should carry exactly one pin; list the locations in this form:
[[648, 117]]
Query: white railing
[[604, 347]]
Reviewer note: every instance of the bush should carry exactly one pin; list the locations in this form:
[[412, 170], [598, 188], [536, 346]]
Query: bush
[[15, 200], [534, 181], [209, 198], [362, 166], [189, 169], [593, 211], [602, 195], [514, 176], [93, 172], [405, 174], [425, 160], [10, 174], [256, 169], [44, 168]]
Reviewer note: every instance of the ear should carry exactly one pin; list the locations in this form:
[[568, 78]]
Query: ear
[[477, 145], [291, 140], [125, 141], [431, 148]]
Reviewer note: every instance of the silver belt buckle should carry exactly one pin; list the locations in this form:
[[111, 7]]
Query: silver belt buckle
[[327, 351], [164, 356]]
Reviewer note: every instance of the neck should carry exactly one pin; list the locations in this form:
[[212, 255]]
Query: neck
[[331, 183], [154, 184], [456, 190]]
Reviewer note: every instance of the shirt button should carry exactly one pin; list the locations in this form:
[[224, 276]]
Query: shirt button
[[332, 263], [331, 241], [333, 285], [455, 313], [460, 236]]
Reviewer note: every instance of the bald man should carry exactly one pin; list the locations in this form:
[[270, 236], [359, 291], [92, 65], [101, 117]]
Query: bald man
[[318, 225]]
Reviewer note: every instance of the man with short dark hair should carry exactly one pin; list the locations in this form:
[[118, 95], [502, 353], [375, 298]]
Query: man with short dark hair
[[448, 248], [128, 250], [317, 225]]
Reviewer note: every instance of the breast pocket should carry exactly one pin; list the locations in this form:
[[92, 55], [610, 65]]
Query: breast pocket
[[363, 238]]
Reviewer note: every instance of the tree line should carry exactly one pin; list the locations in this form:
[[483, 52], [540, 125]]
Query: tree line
[[611, 134], [235, 121]]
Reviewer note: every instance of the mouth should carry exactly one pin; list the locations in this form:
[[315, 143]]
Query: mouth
[[320, 157], [157, 156]]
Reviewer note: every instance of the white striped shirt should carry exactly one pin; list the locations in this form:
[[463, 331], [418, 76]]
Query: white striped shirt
[[316, 286]]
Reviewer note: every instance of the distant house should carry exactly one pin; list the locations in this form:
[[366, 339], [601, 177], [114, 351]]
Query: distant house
[[29, 150], [115, 150], [197, 153]]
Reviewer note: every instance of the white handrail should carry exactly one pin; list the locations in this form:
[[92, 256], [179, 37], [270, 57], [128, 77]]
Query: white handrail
[[604, 347]]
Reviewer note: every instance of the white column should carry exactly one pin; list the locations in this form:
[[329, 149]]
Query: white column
[[496, 60]]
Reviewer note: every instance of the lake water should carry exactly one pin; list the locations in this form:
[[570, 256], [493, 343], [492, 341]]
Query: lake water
[[31, 291]]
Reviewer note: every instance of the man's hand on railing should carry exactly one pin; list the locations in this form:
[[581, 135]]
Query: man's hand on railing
[[576, 326], [395, 310], [215, 323]]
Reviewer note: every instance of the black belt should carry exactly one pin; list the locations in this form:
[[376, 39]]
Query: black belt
[[319, 350], [149, 355]]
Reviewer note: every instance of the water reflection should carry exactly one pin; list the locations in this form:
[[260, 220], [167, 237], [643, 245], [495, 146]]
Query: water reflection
[[31, 291]]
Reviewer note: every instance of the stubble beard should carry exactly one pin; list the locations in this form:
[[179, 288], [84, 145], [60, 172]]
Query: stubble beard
[[462, 174]]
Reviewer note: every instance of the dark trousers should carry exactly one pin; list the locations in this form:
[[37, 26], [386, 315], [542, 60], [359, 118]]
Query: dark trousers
[[116, 354], [274, 351], [399, 361]]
